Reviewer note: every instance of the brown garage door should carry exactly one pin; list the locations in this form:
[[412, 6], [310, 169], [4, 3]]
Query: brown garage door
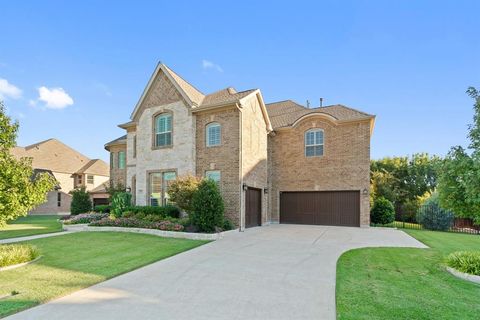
[[253, 208], [334, 208]]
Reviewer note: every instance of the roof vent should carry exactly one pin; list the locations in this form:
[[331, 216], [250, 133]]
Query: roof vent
[[231, 90]]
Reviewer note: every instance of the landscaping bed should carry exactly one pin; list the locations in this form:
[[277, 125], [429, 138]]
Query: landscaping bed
[[16, 254], [406, 283]]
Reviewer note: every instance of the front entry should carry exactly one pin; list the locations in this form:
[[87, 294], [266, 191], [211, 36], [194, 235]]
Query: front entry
[[253, 207]]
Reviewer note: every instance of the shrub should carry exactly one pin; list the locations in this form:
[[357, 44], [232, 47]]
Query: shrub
[[102, 208], [465, 261], [165, 211], [81, 202], [86, 218], [228, 225], [11, 254], [208, 207], [182, 190], [382, 211], [138, 223], [120, 201], [431, 216]]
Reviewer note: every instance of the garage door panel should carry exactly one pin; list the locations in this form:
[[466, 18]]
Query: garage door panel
[[340, 208]]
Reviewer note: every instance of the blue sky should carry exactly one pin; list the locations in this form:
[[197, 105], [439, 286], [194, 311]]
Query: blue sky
[[74, 71]]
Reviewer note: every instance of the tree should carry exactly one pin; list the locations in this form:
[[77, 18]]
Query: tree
[[403, 180], [81, 202], [182, 190], [20, 189], [459, 180], [208, 207]]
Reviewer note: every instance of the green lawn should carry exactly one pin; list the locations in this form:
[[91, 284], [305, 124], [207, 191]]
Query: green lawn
[[402, 283], [78, 260], [30, 225]]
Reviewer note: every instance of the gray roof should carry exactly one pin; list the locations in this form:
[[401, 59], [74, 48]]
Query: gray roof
[[285, 113]]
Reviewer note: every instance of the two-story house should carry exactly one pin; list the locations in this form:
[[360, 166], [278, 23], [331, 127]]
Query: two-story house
[[278, 162], [69, 167]]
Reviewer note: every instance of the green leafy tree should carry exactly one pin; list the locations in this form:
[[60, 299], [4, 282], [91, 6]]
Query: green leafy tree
[[20, 189], [208, 207], [182, 190], [81, 202], [459, 181]]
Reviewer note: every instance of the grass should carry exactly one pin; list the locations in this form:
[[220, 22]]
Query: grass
[[11, 254], [78, 260], [30, 225], [407, 283]]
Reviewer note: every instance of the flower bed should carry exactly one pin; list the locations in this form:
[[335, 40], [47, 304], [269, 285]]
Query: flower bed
[[86, 218], [12, 254], [137, 223]]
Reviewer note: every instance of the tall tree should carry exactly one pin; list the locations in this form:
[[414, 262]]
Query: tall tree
[[459, 180], [20, 190]]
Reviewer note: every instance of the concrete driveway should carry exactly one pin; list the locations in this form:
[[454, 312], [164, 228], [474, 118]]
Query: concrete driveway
[[271, 272]]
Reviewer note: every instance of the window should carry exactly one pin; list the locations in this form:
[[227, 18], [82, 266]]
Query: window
[[213, 175], [159, 184], [163, 130], [79, 179], [59, 199], [214, 131], [121, 160], [112, 163], [168, 177], [90, 179], [135, 146], [314, 143], [155, 179]]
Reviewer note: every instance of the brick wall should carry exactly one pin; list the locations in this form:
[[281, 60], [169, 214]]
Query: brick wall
[[50, 206], [345, 164], [117, 176], [224, 157], [254, 150]]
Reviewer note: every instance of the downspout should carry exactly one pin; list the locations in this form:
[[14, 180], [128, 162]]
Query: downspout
[[242, 196]]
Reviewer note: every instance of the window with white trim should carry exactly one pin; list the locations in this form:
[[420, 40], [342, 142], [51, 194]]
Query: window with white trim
[[213, 175], [314, 143], [155, 188], [214, 133], [163, 130], [90, 179]]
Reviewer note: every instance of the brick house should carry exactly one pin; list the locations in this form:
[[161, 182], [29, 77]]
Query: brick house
[[277, 162], [70, 168]]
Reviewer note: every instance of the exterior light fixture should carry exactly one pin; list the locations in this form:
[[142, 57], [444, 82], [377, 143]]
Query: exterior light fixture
[[245, 187], [265, 190], [128, 189], [365, 191]]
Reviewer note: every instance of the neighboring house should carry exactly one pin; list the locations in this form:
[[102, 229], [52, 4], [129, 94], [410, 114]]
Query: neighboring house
[[278, 162], [70, 168]]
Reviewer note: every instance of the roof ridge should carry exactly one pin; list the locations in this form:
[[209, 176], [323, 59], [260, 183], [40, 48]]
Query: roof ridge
[[191, 85], [346, 107]]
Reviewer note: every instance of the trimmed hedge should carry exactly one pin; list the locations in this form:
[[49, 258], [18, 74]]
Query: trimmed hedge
[[465, 261], [164, 211], [11, 254], [208, 207]]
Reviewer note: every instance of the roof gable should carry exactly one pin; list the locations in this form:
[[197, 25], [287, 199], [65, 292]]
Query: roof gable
[[164, 87], [53, 155]]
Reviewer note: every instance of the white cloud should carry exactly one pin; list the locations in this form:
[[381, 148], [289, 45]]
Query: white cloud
[[210, 65], [8, 90], [54, 98], [32, 103]]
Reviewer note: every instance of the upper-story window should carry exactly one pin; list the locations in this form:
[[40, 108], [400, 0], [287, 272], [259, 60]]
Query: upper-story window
[[121, 160], [214, 134], [90, 179], [112, 162], [134, 146], [314, 143], [163, 130]]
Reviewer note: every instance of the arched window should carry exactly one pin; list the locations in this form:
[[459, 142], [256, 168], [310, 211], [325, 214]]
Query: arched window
[[163, 130], [214, 133], [314, 143]]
